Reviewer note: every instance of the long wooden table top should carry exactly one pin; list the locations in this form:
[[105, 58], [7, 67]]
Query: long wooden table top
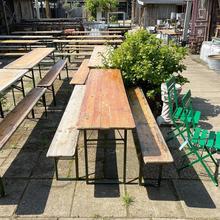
[[31, 59], [89, 32], [89, 41], [105, 104], [36, 32], [26, 37], [169, 32], [10, 76], [94, 37], [98, 54], [19, 41]]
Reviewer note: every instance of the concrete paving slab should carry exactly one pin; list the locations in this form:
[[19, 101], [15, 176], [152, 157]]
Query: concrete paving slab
[[155, 202], [199, 199], [104, 200], [47, 198], [14, 189]]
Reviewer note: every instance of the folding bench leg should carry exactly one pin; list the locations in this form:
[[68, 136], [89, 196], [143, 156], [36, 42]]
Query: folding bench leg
[[77, 163], [67, 71], [54, 97], [45, 104], [140, 173], [56, 168], [39, 67], [2, 190]]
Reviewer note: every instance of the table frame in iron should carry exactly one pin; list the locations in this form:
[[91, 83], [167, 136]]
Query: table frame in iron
[[123, 139]]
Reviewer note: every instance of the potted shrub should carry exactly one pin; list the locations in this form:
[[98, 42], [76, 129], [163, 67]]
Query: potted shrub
[[146, 62]]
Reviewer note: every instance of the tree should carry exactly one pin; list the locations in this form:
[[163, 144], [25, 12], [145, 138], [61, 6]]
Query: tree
[[104, 5]]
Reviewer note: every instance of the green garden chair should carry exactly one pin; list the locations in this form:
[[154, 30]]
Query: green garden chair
[[201, 143], [176, 112]]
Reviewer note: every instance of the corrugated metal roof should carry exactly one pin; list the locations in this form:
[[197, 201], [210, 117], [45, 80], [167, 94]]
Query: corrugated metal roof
[[176, 2]]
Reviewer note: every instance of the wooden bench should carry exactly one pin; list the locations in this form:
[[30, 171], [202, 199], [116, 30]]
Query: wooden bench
[[80, 76], [153, 148], [13, 54], [70, 54], [12, 121], [52, 74], [65, 140]]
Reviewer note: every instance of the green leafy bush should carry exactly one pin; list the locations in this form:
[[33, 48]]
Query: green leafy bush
[[145, 61], [104, 5]]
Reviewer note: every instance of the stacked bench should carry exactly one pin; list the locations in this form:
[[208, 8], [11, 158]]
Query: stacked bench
[[153, 148]]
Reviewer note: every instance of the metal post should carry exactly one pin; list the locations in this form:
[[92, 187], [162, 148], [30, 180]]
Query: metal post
[[22, 87], [187, 20], [54, 97], [32, 72], [2, 190], [67, 71], [5, 17], [45, 104], [86, 157], [125, 155], [39, 70], [77, 162], [13, 95], [1, 109]]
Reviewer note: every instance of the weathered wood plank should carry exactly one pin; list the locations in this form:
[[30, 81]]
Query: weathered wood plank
[[10, 76], [105, 104], [97, 57], [52, 74], [81, 74], [11, 122], [153, 146], [66, 137], [31, 59]]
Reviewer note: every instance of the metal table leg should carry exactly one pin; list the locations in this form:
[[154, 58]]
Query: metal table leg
[[32, 72], [2, 190], [125, 155], [86, 157]]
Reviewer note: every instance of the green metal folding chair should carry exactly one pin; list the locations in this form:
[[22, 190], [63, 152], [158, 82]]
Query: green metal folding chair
[[201, 143], [176, 112]]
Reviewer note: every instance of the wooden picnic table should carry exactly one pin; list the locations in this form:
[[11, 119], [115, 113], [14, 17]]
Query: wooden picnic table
[[30, 60], [18, 37], [9, 76], [37, 32], [95, 37], [104, 107], [98, 54]]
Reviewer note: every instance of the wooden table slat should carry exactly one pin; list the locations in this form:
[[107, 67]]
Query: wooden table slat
[[105, 104], [29, 60]]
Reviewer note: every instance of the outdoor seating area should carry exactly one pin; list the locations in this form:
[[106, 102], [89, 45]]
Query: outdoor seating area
[[106, 112]]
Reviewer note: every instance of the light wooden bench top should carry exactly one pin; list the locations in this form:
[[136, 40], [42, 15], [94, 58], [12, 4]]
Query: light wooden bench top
[[94, 37], [66, 137], [19, 41], [10, 76], [105, 104], [31, 59], [52, 74], [98, 55], [91, 41], [89, 32], [81, 75], [36, 32], [153, 146], [26, 37], [11, 122]]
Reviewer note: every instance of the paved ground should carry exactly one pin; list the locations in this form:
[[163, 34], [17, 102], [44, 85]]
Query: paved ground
[[33, 192]]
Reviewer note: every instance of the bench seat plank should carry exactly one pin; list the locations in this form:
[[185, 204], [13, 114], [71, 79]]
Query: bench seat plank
[[66, 137], [11, 122], [81, 74], [50, 77], [153, 146]]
